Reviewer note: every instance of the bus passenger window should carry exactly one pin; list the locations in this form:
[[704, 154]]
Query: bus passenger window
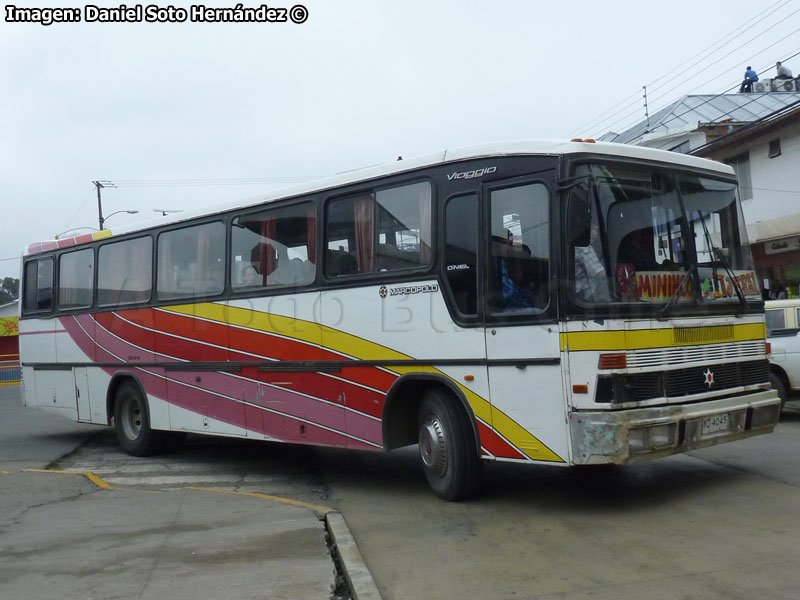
[[38, 285], [274, 247], [387, 230], [461, 252], [125, 272], [520, 250], [76, 279], [191, 262]]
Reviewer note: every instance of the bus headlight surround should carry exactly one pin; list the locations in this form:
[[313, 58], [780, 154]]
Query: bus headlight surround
[[652, 437]]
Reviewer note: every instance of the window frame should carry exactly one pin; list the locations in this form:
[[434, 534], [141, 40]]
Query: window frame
[[744, 177], [774, 148], [458, 316], [24, 310], [154, 298], [271, 290], [549, 313], [332, 280], [60, 257], [153, 256]]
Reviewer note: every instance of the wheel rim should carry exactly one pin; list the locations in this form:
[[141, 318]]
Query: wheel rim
[[131, 418], [433, 446]]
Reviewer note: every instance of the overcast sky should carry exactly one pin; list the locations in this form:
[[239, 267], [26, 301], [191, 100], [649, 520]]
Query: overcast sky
[[358, 83]]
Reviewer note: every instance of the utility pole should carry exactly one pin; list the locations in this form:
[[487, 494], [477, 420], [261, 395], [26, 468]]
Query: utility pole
[[101, 220], [646, 113]]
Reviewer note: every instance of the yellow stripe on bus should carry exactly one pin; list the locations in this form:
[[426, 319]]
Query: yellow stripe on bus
[[642, 339], [361, 349]]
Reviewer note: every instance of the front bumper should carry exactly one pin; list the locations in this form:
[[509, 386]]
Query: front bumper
[[634, 435]]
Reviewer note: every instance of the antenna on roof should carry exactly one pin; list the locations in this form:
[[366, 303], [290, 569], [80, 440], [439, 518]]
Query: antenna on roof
[[165, 211], [646, 114]]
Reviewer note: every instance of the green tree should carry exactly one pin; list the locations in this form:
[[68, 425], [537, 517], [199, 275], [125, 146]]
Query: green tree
[[9, 290]]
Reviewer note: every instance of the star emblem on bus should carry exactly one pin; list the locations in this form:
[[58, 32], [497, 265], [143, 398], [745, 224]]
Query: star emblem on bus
[[709, 376], [382, 292]]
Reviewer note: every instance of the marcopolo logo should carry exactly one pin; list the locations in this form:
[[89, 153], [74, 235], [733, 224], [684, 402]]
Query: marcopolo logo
[[471, 174], [408, 290]]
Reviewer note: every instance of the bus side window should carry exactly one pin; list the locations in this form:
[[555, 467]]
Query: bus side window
[[191, 262], [274, 247], [38, 295], [461, 252], [124, 272], [387, 230], [76, 279]]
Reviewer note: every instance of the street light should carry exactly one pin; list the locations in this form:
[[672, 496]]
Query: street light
[[104, 219], [130, 212]]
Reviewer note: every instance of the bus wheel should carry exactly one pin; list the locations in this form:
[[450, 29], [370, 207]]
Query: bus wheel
[[447, 448], [776, 383], [132, 422]]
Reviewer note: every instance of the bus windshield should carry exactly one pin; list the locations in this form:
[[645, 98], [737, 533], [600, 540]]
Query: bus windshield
[[661, 237]]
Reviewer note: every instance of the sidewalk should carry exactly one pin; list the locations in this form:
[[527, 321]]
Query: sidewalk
[[63, 536]]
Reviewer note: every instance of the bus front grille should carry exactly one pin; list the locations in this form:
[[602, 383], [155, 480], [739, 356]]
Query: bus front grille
[[683, 382], [702, 335]]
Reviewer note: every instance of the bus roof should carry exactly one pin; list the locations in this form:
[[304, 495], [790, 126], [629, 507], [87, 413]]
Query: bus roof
[[532, 147]]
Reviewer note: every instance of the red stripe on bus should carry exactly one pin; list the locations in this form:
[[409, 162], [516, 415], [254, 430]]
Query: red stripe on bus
[[367, 401], [496, 444]]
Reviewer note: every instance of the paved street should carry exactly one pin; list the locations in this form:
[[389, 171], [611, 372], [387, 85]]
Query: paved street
[[719, 523], [62, 536]]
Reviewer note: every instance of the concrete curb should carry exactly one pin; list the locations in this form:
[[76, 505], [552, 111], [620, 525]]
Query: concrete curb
[[359, 579]]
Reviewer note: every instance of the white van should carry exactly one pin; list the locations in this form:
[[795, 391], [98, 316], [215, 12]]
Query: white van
[[783, 326]]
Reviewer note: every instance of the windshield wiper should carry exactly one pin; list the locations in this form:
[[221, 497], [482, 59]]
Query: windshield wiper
[[718, 253], [676, 294]]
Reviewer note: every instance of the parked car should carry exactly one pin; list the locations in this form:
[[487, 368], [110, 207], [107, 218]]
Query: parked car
[[783, 329]]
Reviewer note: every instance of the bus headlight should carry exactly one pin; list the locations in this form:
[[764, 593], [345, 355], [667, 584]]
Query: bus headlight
[[637, 440], [653, 437], [622, 389]]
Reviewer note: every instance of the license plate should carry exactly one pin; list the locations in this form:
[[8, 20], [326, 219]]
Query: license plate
[[715, 423]]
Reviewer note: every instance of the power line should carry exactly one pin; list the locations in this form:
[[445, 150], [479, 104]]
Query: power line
[[716, 95], [751, 125], [700, 72], [758, 35], [754, 99], [774, 190], [79, 210], [736, 31], [749, 25]]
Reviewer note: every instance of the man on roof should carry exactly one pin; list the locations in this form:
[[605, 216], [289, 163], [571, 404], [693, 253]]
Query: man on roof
[[750, 77], [783, 71]]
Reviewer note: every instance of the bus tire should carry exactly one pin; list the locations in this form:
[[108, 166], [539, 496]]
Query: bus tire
[[447, 447], [132, 422], [777, 383]]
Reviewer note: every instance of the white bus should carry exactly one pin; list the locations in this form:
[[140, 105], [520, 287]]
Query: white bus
[[562, 303]]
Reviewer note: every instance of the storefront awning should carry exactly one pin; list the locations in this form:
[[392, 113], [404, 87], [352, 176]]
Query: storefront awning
[[775, 230]]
